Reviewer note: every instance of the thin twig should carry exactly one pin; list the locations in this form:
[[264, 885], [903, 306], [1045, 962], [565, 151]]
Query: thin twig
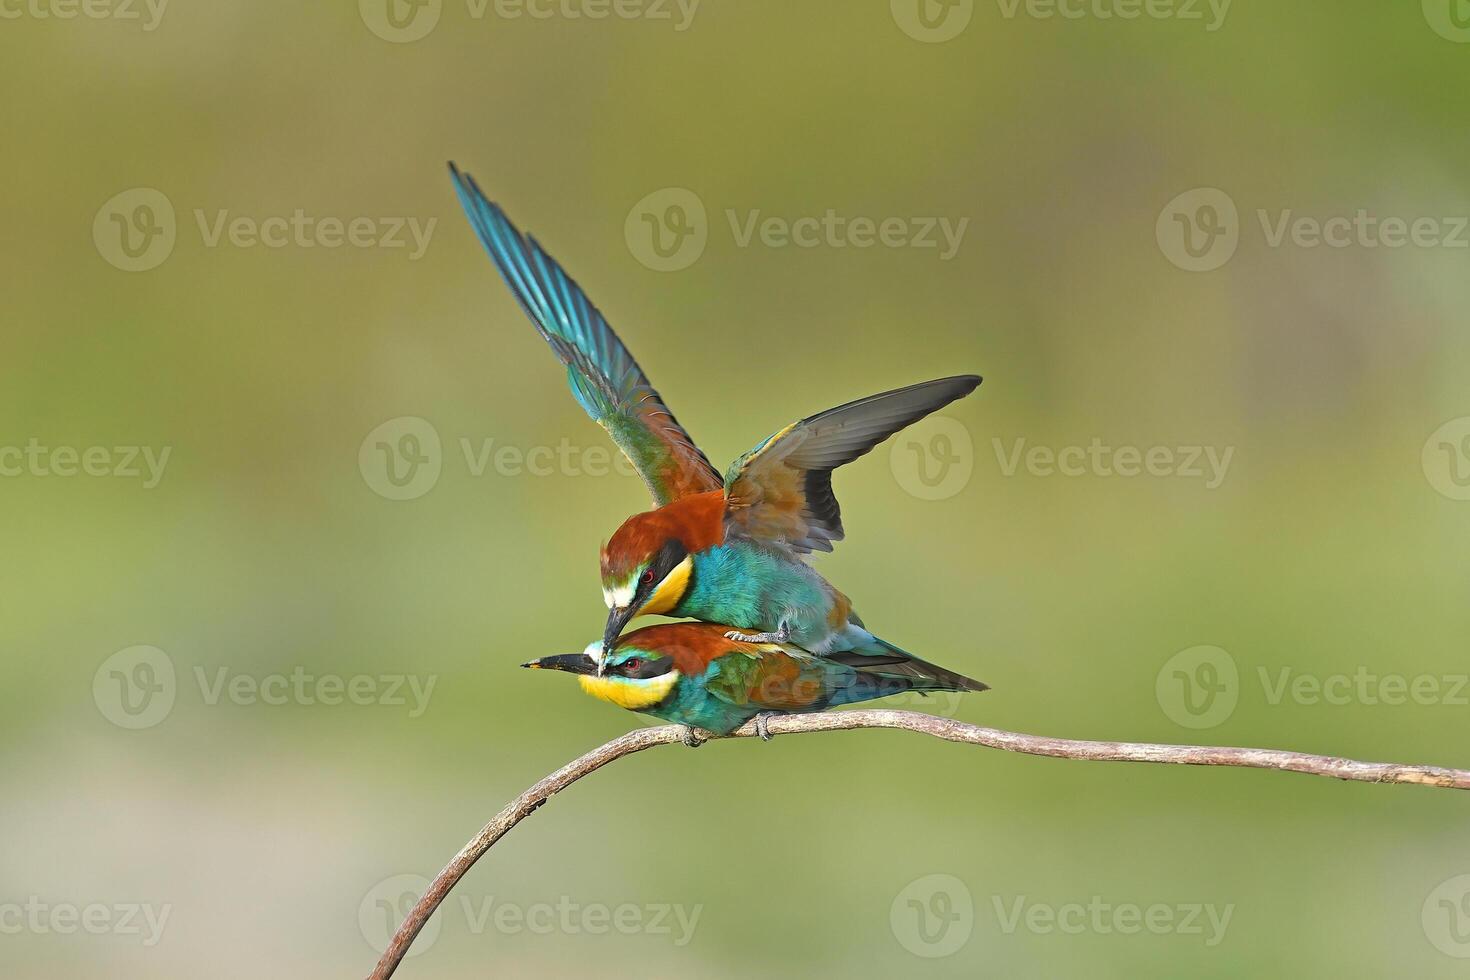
[[945, 728]]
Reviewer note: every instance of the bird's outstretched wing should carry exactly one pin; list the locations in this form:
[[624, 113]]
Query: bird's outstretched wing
[[605, 379], [780, 493]]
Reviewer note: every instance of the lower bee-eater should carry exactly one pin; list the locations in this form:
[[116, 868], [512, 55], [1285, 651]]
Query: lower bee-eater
[[731, 550], [695, 674]]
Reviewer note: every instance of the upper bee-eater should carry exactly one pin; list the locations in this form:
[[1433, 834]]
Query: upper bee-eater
[[731, 550], [695, 674]]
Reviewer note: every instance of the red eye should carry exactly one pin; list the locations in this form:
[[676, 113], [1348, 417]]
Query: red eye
[[631, 665], [648, 577]]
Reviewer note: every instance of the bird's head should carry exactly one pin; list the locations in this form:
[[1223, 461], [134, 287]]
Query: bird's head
[[630, 677], [646, 569]]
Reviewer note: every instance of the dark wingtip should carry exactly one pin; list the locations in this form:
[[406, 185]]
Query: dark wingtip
[[953, 388]]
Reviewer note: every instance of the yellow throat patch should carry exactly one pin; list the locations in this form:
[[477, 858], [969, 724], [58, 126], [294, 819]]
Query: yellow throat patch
[[635, 694], [670, 590]]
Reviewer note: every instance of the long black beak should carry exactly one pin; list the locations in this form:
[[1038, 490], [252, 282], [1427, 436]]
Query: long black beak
[[617, 618], [572, 663]]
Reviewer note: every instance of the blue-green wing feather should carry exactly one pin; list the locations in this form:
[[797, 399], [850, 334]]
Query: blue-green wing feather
[[605, 379]]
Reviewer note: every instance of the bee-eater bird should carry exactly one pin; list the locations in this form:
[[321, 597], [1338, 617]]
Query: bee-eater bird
[[695, 674], [729, 550]]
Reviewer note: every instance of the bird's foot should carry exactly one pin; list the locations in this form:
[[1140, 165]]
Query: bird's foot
[[782, 635], [691, 737], [762, 724]]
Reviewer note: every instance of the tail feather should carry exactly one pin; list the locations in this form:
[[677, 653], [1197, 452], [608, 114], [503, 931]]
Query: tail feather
[[884, 660]]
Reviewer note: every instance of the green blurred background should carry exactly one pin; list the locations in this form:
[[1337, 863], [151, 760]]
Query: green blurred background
[[1334, 545]]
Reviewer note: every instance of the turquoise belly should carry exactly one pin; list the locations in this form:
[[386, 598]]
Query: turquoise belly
[[754, 589]]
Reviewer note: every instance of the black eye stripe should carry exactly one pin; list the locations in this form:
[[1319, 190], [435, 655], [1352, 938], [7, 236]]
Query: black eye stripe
[[669, 556], [665, 561], [651, 667]]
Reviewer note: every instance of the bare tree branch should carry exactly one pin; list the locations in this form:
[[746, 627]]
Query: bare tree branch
[[945, 728]]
